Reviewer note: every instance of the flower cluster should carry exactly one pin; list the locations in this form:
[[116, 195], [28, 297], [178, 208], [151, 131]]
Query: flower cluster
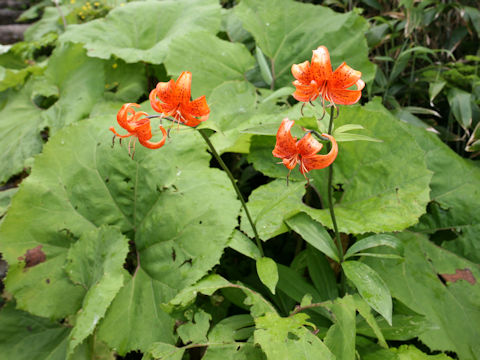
[[317, 79], [172, 100]]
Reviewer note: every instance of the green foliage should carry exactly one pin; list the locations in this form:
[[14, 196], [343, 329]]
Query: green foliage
[[107, 253], [147, 39]]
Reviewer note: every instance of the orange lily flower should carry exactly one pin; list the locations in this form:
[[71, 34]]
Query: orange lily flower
[[317, 78], [304, 151], [173, 99], [137, 127]]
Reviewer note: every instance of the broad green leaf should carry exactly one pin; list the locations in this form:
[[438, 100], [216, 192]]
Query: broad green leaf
[[19, 131], [365, 311], [322, 274], [340, 338], [135, 319], [459, 102], [456, 198], [267, 272], [25, 337], [195, 331], [371, 287], [244, 245], [235, 351], [163, 351], [404, 327], [230, 329], [5, 199], [288, 31], [144, 30], [95, 261], [15, 77], [381, 190], [288, 338], [211, 60], [50, 22], [124, 82], [140, 197], [450, 307], [410, 352], [282, 92], [270, 204], [374, 241], [314, 234], [79, 83], [214, 282]]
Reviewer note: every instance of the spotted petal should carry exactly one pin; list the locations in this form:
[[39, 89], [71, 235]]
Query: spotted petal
[[285, 147], [309, 163], [302, 72], [344, 77], [344, 97], [321, 65], [308, 145], [183, 88]]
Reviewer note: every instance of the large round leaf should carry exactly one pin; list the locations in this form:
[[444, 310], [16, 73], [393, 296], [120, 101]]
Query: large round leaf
[[143, 31], [287, 32], [179, 212], [383, 186]]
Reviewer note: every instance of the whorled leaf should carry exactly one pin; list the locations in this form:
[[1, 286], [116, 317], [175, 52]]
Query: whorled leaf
[[144, 30], [80, 183], [287, 32]]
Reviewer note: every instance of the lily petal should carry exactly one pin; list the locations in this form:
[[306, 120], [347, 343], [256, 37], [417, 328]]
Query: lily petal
[[302, 72], [320, 161], [183, 87], [307, 92], [344, 97], [285, 147], [321, 65], [197, 107], [308, 145], [344, 77], [156, 145]]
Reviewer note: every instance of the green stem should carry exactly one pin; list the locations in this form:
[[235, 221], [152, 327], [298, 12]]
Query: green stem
[[330, 196], [235, 186]]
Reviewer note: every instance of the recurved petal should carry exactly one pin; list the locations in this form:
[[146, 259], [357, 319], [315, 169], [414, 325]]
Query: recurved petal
[[302, 72], [344, 77], [285, 147], [156, 145], [344, 97], [165, 91], [183, 87], [320, 161], [189, 120], [308, 145], [154, 102], [360, 84], [305, 93], [197, 107], [321, 66]]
